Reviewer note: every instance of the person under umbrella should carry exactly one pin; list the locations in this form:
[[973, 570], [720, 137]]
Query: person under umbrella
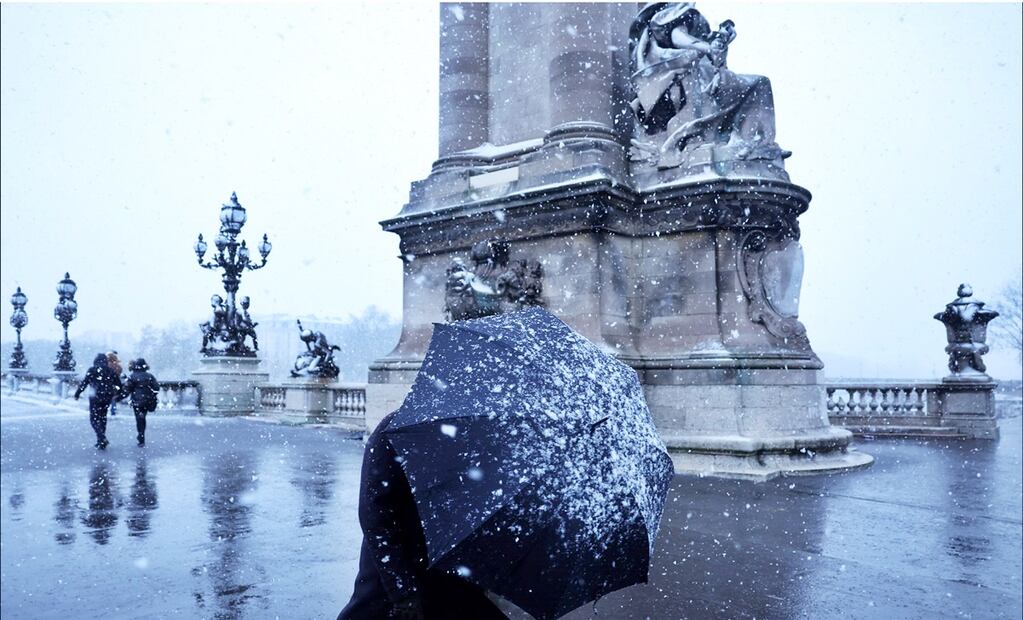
[[394, 580], [105, 386], [533, 464]]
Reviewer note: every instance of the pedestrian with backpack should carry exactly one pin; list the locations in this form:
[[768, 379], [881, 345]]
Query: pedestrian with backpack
[[143, 389], [104, 386]]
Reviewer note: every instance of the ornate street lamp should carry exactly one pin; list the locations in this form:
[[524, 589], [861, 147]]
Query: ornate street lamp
[[19, 319], [65, 312], [227, 330]]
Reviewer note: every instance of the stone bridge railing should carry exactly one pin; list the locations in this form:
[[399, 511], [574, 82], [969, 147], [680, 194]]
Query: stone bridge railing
[[298, 402], [867, 408], [913, 408], [54, 389]]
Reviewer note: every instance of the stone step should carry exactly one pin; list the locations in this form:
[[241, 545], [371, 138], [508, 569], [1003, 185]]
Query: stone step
[[905, 431]]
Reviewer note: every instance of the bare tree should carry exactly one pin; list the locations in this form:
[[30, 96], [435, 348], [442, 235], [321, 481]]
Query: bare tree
[[1007, 329]]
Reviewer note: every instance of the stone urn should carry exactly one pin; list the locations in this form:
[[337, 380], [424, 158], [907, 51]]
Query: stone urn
[[966, 322]]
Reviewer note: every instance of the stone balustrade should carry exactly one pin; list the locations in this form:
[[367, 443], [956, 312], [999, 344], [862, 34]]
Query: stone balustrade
[[27, 383], [350, 401], [180, 395], [867, 408], [878, 400], [913, 408], [57, 389], [314, 401], [270, 398]]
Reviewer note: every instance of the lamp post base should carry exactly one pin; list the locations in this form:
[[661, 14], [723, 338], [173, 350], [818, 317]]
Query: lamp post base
[[228, 385]]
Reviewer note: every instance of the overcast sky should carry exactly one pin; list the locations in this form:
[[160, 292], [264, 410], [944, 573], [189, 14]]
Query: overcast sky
[[125, 127]]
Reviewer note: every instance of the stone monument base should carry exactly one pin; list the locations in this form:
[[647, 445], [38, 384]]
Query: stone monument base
[[728, 419], [764, 457], [389, 382], [716, 418], [227, 385]]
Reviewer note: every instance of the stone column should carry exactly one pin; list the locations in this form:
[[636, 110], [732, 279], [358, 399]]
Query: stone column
[[581, 73], [464, 74], [589, 119]]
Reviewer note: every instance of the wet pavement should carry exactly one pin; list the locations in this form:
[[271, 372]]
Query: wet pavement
[[243, 519]]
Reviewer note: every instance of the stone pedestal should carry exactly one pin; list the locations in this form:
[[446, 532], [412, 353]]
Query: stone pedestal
[[308, 401], [311, 401], [227, 385], [695, 285], [969, 407]]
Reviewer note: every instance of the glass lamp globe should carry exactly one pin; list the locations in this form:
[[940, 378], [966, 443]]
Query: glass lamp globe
[[19, 299], [67, 287], [232, 216]]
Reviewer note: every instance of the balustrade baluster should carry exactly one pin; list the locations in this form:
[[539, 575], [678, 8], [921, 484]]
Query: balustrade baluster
[[914, 402], [901, 394], [874, 401]]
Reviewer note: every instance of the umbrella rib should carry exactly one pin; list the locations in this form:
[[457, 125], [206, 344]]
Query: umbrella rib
[[502, 341], [462, 416], [494, 514]]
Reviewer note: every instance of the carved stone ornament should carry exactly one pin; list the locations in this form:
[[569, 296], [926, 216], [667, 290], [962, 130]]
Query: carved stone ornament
[[690, 107], [771, 272], [491, 284]]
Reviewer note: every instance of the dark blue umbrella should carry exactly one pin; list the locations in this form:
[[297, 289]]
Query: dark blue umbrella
[[534, 463]]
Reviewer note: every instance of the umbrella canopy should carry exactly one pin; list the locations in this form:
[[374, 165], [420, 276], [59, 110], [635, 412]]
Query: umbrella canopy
[[533, 461]]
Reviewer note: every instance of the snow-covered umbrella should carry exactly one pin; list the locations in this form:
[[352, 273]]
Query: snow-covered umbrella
[[535, 466]]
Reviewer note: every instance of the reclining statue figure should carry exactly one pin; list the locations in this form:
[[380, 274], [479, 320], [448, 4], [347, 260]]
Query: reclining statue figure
[[318, 358], [686, 96]]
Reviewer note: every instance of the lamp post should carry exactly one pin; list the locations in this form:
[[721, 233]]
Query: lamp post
[[228, 327], [65, 312], [19, 319]]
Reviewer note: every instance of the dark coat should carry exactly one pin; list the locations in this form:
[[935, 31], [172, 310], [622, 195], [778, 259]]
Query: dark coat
[[392, 565], [143, 389], [104, 381]]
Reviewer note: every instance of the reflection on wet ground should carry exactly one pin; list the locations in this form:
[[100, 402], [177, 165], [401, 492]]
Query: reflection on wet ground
[[101, 516], [213, 518], [241, 519], [142, 501]]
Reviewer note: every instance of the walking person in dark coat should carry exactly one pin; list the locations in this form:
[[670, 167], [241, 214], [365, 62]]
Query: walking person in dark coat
[[393, 579], [106, 386], [115, 364], [144, 389]]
